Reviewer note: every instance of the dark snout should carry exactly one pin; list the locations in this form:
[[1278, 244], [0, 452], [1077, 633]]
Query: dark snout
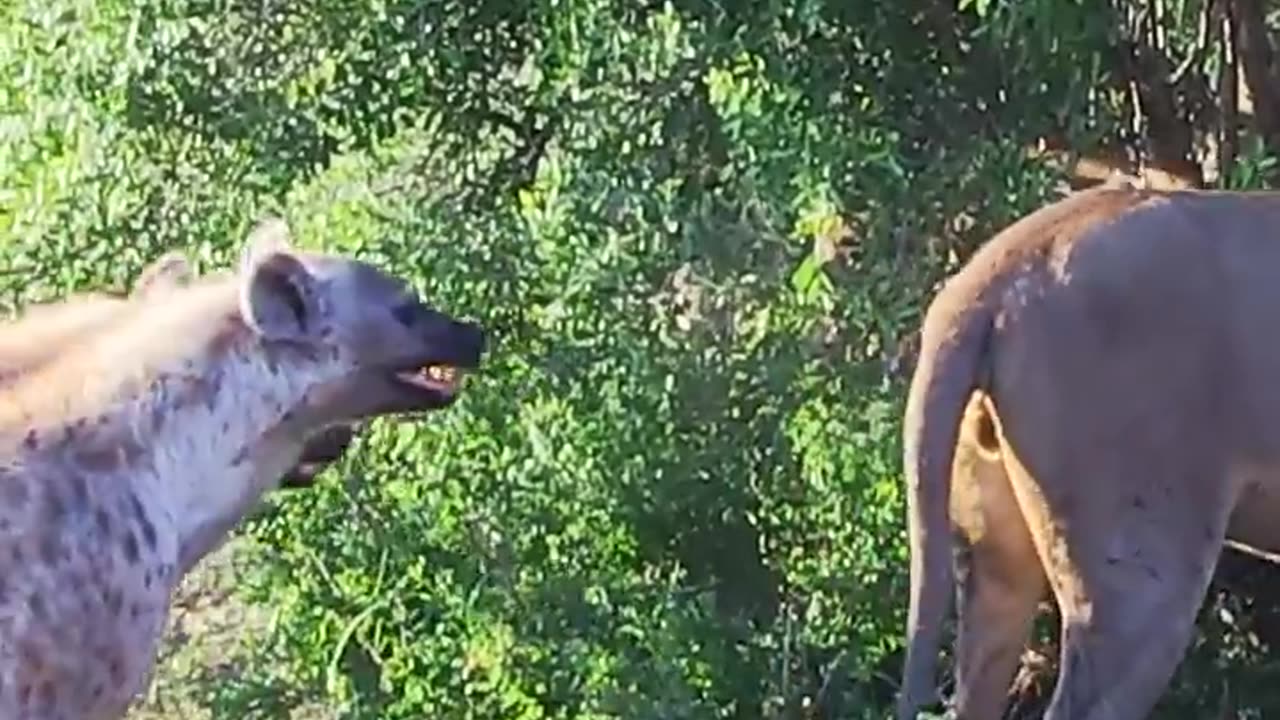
[[423, 368], [416, 363], [463, 343], [452, 342]]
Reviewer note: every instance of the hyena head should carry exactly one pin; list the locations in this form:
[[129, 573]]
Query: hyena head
[[387, 351], [234, 376]]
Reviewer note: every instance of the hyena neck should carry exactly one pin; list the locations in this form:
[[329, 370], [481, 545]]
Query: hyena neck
[[224, 436]]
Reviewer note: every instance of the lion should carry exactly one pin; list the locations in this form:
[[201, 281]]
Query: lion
[[1096, 412]]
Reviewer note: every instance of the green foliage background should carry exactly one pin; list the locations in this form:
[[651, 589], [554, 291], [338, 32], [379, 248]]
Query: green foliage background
[[701, 235]]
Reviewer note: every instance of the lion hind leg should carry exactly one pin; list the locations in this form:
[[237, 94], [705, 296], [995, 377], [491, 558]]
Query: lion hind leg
[[1000, 579], [996, 606], [1128, 590], [1115, 664]]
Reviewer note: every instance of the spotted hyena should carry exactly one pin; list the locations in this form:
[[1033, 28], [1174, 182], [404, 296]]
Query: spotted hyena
[[130, 454]]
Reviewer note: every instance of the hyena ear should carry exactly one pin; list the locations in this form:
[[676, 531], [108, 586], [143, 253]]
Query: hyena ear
[[279, 297], [167, 272]]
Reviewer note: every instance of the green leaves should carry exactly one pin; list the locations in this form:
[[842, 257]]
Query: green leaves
[[979, 7]]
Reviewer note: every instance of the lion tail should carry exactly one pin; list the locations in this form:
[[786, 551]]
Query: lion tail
[[953, 351]]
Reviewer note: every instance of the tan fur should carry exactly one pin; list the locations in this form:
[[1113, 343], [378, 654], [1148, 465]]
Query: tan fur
[[999, 579], [126, 459], [1096, 405], [42, 331]]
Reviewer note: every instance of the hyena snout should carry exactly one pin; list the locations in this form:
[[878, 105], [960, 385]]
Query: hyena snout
[[458, 343]]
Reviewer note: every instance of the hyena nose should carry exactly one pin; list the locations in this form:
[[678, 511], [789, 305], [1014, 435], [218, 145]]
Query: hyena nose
[[469, 341]]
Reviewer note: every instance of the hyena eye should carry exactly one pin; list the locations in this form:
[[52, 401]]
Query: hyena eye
[[405, 314]]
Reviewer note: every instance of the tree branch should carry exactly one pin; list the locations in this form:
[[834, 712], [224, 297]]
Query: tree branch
[[1170, 136], [1228, 93], [1257, 59]]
